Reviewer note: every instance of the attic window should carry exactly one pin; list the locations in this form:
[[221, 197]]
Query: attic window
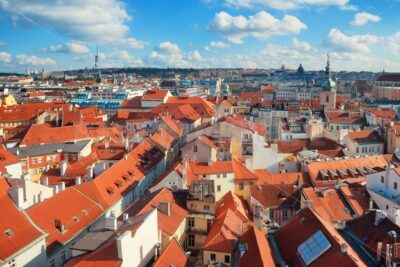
[[9, 232], [313, 247], [75, 218], [110, 191]]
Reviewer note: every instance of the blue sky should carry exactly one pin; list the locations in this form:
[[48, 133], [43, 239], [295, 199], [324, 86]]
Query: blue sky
[[62, 34]]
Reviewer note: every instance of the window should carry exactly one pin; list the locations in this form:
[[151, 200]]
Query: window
[[227, 259], [358, 150], [206, 207], [224, 175], [212, 257], [382, 179], [53, 263], [190, 222], [313, 247], [195, 149], [327, 98], [191, 241], [218, 188], [395, 185], [241, 186], [284, 214], [271, 214], [218, 175]]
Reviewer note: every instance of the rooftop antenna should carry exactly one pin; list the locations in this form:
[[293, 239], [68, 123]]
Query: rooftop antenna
[[96, 65]]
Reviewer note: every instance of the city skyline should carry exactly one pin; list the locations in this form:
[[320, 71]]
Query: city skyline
[[359, 35]]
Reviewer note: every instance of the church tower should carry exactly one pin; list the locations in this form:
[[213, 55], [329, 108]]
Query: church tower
[[327, 96]]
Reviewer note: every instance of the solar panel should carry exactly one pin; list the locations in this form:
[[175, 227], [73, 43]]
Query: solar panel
[[313, 247]]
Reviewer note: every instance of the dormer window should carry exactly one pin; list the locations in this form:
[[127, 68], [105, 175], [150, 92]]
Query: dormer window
[[313, 247], [9, 232]]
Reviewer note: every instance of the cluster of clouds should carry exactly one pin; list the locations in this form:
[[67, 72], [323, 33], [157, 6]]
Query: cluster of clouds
[[85, 24], [261, 25]]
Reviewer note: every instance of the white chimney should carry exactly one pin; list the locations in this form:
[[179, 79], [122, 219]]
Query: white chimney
[[61, 186], [112, 223], [78, 180], [63, 167], [125, 216], [55, 188], [90, 173], [379, 217], [17, 152], [46, 181], [40, 197]]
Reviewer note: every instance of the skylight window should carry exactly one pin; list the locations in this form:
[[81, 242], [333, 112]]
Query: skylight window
[[9, 232], [313, 247]]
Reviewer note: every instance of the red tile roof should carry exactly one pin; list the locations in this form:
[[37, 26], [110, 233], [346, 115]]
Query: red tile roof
[[365, 136], [302, 226], [133, 103], [279, 178], [245, 124], [344, 117], [258, 251], [173, 255], [22, 231], [155, 94], [43, 134], [389, 77], [276, 195], [65, 206], [223, 233], [203, 107], [230, 201]]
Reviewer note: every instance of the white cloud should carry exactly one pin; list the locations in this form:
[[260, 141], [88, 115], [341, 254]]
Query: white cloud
[[5, 57], [219, 44], [97, 21], [393, 42], [363, 18], [262, 25], [301, 45], [167, 47], [341, 42], [286, 4], [34, 60], [168, 54], [72, 47]]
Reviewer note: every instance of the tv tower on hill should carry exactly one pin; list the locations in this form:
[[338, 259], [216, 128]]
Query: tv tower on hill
[[96, 65]]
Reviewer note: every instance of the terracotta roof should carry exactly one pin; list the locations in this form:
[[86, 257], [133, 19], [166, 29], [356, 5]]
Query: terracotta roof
[[381, 113], [203, 107], [295, 146], [223, 233], [173, 255], [348, 166], [301, 227], [69, 208], [167, 223], [230, 201], [173, 125], [344, 117], [43, 134], [245, 124], [365, 136], [21, 231], [365, 229], [276, 195], [163, 138], [258, 251], [135, 102], [155, 94], [279, 178], [329, 204], [389, 77]]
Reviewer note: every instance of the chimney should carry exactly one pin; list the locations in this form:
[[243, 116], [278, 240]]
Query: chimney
[[209, 162], [59, 225], [127, 144], [47, 167], [40, 197], [126, 156], [61, 186], [125, 217], [78, 180], [165, 207], [63, 167], [17, 195], [46, 181], [343, 248], [379, 217], [90, 172], [112, 223], [371, 203], [17, 152], [107, 144], [55, 189]]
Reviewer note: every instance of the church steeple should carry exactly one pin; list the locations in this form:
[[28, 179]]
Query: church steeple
[[328, 71]]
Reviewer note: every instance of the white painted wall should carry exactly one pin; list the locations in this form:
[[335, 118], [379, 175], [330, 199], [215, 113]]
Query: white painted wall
[[32, 255], [145, 239]]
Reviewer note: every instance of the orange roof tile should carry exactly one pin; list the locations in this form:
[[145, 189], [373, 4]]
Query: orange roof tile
[[173, 255], [365, 136], [258, 251], [230, 201], [12, 219]]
